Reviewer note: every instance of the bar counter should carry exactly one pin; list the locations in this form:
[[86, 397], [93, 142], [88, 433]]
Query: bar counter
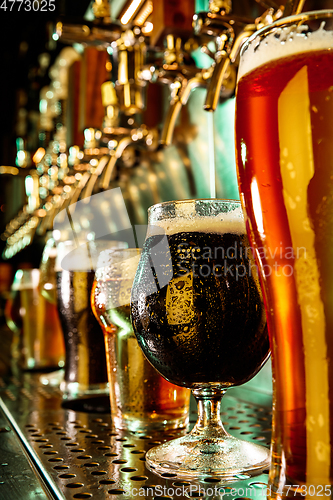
[[47, 451]]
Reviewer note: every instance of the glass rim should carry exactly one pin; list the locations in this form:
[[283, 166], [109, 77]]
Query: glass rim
[[162, 204], [117, 251], [286, 21]]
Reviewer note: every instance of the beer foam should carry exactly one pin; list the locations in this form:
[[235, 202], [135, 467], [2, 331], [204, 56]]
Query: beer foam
[[232, 222], [291, 40], [119, 263]]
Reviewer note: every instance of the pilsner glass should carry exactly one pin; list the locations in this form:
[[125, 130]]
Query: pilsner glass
[[140, 398], [199, 317], [85, 366], [284, 139]]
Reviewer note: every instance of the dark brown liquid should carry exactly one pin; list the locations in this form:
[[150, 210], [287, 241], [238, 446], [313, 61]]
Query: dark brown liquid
[[208, 323], [84, 342]]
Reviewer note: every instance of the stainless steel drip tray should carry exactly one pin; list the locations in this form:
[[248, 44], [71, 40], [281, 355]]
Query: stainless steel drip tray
[[80, 455]]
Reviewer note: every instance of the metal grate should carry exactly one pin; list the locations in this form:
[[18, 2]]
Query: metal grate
[[80, 454]]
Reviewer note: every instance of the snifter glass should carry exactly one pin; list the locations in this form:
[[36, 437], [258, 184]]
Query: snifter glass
[[284, 139], [198, 315]]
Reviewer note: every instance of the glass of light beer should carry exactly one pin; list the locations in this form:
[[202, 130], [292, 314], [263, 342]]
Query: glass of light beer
[[140, 398], [284, 141], [198, 315], [39, 345]]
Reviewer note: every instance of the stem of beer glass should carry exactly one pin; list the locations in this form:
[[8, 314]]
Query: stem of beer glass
[[209, 422]]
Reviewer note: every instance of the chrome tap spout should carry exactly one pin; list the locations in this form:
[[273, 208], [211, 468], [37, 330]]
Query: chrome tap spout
[[140, 138], [178, 101], [224, 73]]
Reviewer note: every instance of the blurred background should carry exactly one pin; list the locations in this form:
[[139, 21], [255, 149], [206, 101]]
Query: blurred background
[[134, 94], [52, 105]]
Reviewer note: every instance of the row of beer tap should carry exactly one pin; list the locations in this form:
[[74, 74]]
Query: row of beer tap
[[61, 173]]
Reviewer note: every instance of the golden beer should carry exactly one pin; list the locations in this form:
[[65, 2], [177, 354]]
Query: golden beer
[[140, 398]]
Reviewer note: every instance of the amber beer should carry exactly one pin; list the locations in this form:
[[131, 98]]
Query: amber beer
[[140, 398], [284, 137], [38, 344]]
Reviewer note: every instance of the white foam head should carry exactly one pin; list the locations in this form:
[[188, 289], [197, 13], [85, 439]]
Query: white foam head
[[187, 220], [291, 40], [118, 263]]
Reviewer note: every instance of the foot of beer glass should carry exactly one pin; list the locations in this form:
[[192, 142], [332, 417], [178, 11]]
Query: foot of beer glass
[[208, 450], [92, 398], [53, 379]]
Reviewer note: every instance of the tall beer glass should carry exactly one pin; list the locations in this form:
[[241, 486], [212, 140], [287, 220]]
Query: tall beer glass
[[198, 315], [140, 398], [85, 377], [40, 342], [284, 137]]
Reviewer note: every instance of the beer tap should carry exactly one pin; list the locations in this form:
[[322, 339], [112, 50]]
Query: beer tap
[[230, 32], [179, 71], [124, 100]]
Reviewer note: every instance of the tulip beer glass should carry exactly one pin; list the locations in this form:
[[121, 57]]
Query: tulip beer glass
[[284, 138], [199, 317]]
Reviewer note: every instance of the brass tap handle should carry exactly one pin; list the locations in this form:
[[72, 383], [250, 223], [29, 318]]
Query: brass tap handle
[[293, 7], [114, 156], [224, 71], [178, 101]]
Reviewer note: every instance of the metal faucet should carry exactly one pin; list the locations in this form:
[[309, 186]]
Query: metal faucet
[[230, 31], [124, 99], [178, 70]]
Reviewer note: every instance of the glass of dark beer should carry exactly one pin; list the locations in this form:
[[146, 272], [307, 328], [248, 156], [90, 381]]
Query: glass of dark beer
[[85, 384], [284, 138], [198, 314]]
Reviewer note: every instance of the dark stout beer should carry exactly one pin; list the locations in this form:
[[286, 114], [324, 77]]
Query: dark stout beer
[[208, 323], [84, 342]]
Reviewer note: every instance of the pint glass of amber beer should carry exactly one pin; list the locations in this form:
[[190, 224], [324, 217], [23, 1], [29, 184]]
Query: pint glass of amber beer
[[284, 138]]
